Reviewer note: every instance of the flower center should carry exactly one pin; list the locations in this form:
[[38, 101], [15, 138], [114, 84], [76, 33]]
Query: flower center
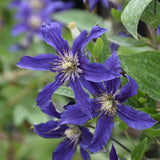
[[73, 133], [67, 65], [35, 21], [108, 104], [36, 4]]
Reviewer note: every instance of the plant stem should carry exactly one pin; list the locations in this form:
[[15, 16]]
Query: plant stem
[[155, 30], [121, 145]]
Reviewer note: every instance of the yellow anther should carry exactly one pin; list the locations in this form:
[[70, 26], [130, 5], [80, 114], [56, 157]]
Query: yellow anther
[[74, 30], [71, 25]]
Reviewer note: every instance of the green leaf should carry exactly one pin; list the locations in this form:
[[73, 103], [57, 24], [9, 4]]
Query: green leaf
[[149, 10], [83, 19], [97, 49], [125, 41], [132, 13], [90, 46], [138, 151], [149, 17], [123, 126], [152, 132], [116, 14], [133, 49], [144, 67], [152, 20], [32, 115], [151, 103], [106, 49], [65, 91]]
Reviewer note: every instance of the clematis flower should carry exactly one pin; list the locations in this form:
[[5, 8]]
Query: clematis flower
[[107, 102], [23, 44], [70, 64], [32, 13], [106, 3], [73, 136], [93, 3]]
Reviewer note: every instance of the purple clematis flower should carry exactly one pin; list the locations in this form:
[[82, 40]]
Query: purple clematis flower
[[32, 13], [106, 104], [106, 3], [73, 136], [71, 65], [93, 3]]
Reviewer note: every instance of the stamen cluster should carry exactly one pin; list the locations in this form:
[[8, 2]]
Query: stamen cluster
[[73, 133], [108, 104], [35, 21], [67, 65]]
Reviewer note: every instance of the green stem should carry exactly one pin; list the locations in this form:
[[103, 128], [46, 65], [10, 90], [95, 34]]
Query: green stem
[[121, 145]]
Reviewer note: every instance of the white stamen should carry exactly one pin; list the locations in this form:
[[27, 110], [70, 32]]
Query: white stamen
[[35, 21], [73, 133], [108, 104], [67, 65]]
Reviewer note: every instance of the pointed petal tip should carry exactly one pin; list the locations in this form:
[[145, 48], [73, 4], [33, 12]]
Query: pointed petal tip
[[135, 119]]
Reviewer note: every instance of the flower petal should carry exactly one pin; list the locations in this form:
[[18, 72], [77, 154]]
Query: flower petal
[[49, 129], [112, 85], [24, 12], [82, 98], [57, 6], [19, 29], [113, 63], [73, 115], [135, 119], [53, 36], [92, 3], [64, 151], [41, 62], [102, 133], [127, 91], [85, 155], [86, 137], [51, 110], [113, 154], [83, 39], [45, 95], [96, 72], [94, 88]]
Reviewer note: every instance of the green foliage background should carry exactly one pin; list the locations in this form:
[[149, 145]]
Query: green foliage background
[[140, 58]]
